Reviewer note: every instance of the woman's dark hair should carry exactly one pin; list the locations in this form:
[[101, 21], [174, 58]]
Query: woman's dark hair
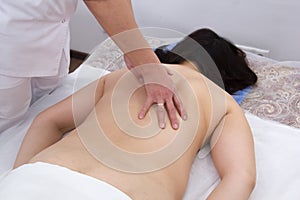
[[230, 60]]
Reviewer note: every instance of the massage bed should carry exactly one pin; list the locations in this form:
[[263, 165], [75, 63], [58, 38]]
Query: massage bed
[[272, 108]]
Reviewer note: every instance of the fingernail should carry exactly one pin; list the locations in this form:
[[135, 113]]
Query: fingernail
[[175, 126], [184, 116], [162, 125]]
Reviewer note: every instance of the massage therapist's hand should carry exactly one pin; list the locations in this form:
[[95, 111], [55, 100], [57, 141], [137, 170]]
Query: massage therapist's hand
[[160, 90]]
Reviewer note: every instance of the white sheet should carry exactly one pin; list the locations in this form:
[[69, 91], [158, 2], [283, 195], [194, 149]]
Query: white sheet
[[277, 158], [277, 149], [11, 139]]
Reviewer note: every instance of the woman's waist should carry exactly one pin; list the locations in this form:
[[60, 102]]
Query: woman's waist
[[163, 182], [157, 185]]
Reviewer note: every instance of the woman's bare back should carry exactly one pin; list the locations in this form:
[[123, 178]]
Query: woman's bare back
[[167, 180]]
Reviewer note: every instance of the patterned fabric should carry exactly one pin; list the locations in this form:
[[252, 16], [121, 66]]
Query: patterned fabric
[[108, 56], [276, 96]]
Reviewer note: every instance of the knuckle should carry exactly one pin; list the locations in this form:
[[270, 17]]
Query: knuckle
[[172, 112]]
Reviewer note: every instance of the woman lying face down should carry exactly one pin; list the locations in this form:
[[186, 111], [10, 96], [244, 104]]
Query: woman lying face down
[[134, 158]]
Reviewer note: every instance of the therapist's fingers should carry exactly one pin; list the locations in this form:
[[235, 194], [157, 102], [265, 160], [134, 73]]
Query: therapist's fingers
[[145, 108], [161, 115], [156, 95], [172, 111], [159, 89], [179, 106], [163, 97]]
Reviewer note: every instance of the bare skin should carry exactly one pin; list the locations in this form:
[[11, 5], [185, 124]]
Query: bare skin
[[232, 151], [117, 19]]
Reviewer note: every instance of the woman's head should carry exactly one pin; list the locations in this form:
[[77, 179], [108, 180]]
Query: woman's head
[[230, 60]]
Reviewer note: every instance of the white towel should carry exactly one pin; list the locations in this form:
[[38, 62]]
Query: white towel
[[48, 182]]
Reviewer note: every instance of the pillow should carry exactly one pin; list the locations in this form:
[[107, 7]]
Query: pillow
[[240, 95]]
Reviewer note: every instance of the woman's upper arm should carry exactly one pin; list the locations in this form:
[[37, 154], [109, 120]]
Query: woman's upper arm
[[233, 147], [68, 113]]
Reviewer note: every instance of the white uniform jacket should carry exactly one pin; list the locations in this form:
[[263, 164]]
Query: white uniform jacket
[[34, 34]]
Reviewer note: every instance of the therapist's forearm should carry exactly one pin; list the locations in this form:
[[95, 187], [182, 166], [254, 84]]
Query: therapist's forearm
[[115, 16], [117, 19]]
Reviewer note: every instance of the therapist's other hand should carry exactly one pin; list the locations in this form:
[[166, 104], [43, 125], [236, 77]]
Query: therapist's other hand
[[160, 90]]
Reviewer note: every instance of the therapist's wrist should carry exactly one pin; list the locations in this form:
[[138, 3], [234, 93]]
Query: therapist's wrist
[[141, 57]]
